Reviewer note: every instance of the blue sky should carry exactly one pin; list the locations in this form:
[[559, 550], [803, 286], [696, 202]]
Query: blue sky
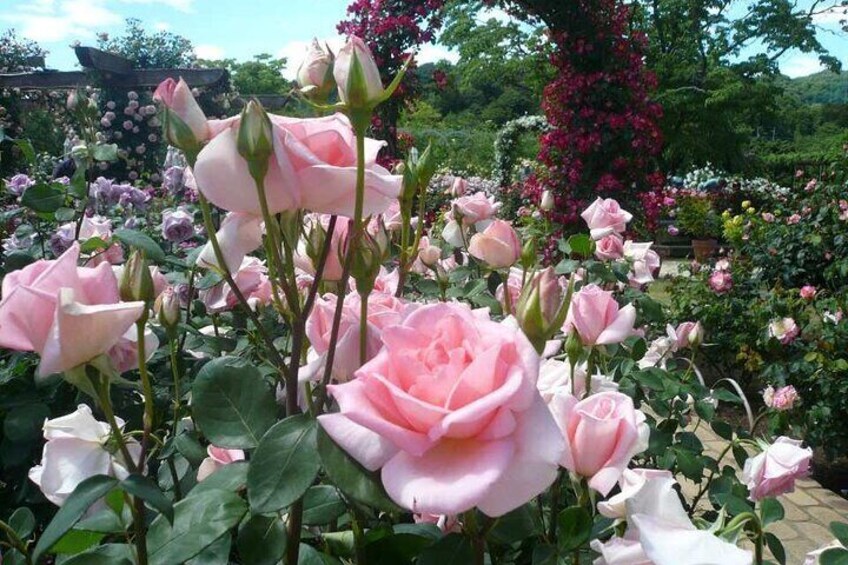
[[242, 28]]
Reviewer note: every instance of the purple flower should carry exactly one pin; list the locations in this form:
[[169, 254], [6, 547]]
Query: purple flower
[[177, 225], [134, 197], [18, 184], [173, 180], [673, 231], [62, 240]]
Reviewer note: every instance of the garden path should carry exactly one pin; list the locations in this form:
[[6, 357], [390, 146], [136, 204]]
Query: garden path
[[809, 510]]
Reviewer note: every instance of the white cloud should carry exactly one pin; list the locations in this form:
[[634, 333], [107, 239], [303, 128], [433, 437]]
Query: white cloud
[[833, 15], [430, 53], [162, 26], [800, 65], [487, 14], [51, 20], [212, 52], [181, 5]]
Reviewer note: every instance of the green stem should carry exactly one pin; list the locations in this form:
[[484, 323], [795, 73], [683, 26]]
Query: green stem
[[173, 345], [293, 527], [273, 247], [552, 525], [709, 480], [356, 242], [146, 388], [228, 277], [16, 541]]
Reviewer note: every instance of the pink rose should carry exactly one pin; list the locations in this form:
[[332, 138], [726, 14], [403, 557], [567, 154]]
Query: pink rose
[[644, 261], [475, 208], [124, 354], [252, 280], [67, 314], [689, 334], [316, 69], [513, 283], [774, 471], [595, 316], [239, 234], [610, 247], [605, 216], [784, 330], [808, 292], [498, 246], [793, 219], [179, 100], [768, 217], [449, 410], [371, 87], [781, 399], [218, 457], [308, 153], [721, 282], [334, 266], [602, 434], [458, 187], [383, 310]]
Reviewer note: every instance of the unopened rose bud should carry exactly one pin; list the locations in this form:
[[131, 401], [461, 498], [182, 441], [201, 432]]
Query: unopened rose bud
[[498, 245], [366, 264], [255, 138], [315, 75], [528, 254], [185, 123], [136, 282], [547, 201], [168, 308], [430, 255], [541, 308], [357, 75], [459, 187], [573, 348], [73, 100]]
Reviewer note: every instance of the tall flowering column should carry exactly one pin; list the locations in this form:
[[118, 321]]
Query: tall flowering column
[[604, 135]]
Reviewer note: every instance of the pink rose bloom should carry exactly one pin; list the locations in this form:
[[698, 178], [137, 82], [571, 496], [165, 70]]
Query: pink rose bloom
[[383, 310], [124, 354], [218, 457], [782, 399], [498, 246], [334, 266], [513, 283], [429, 255], [645, 262], [808, 292], [95, 226], [630, 483], [475, 208], [239, 234], [602, 434], [721, 282], [610, 247], [459, 187], [67, 314], [774, 471], [596, 317], [251, 279], [605, 216], [449, 410], [793, 219], [308, 153], [785, 330], [722, 265], [179, 100], [689, 334], [768, 217]]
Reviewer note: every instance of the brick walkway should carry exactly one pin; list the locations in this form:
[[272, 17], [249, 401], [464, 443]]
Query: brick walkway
[[809, 510]]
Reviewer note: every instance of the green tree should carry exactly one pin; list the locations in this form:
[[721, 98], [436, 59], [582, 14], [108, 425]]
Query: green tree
[[262, 75], [160, 50]]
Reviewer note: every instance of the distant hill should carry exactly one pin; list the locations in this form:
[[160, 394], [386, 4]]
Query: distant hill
[[821, 88]]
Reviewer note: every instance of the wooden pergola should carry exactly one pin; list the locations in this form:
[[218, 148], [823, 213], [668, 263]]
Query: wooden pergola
[[117, 71]]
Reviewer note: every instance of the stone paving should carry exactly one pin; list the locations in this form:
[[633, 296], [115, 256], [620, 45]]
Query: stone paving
[[809, 510]]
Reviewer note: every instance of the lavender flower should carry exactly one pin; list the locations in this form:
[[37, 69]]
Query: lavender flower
[[21, 240], [18, 184], [173, 180], [177, 225], [62, 240]]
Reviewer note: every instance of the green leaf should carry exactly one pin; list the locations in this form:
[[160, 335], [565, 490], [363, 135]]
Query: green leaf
[[840, 530], [284, 464], [24, 423], [105, 152], [352, 479], [308, 555], [776, 548], [453, 549], [261, 540], [87, 493], [216, 553], [17, 260], [136, 239], [834, 556], [145, 489], [42, 198], [22, 521], [107, 554], [517, 525], [690, 465], [722, 429], [545, 555], [199, 520], [65, 214], [396, 549], [771, 511], [574, 527], [581, 244], [231, 477], [26, 148], [232, 404], [321, 505], [76, 541]]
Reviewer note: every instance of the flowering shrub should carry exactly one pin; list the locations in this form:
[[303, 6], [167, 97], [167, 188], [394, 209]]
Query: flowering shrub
[[330, 378]]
